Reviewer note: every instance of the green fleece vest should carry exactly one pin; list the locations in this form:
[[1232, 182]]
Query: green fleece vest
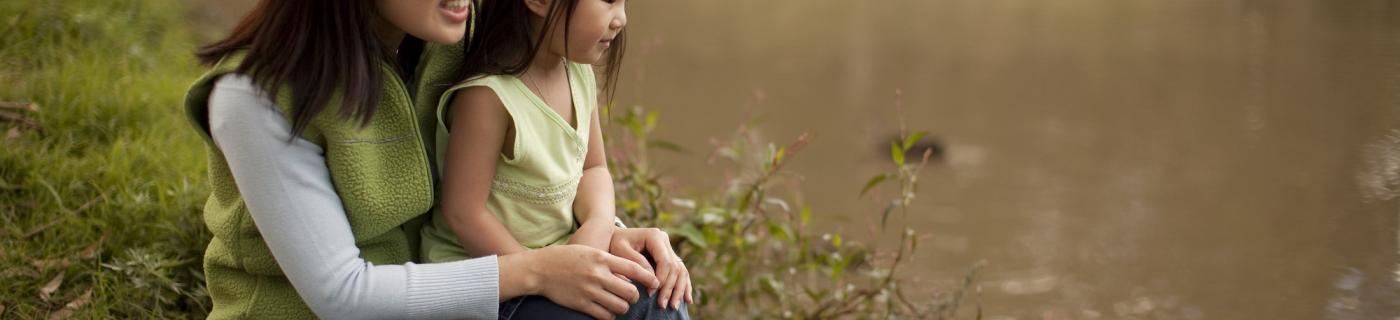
[[381, 172]]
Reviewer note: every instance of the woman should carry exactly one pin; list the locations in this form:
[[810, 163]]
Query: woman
[[320, 176]]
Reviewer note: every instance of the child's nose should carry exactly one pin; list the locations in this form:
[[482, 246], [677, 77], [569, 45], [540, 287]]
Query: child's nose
[[620, 20]]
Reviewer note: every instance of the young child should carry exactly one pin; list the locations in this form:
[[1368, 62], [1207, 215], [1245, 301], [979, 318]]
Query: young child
[[519, 143]]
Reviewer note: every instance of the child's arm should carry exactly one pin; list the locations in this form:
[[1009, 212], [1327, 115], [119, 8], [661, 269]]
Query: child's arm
[[594, 206], [479, 126]]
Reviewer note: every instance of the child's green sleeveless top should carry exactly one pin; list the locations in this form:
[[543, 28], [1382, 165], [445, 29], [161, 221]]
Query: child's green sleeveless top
[[533, 191]]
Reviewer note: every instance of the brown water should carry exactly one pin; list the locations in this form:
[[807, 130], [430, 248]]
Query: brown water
[[1183, 159], [1115, 159]]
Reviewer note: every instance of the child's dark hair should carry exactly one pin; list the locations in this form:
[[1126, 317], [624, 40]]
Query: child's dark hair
[[503, 45]]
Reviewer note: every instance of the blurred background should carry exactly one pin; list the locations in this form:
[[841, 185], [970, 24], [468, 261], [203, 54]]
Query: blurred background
[[1195, 159], [1114, 159]]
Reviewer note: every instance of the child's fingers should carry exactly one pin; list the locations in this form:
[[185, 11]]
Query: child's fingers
[[663, 291], [663, 294], [682, 287], [668, 289], [689, 289], [689, 286], [660, 246], [690, 295], [663, 272]]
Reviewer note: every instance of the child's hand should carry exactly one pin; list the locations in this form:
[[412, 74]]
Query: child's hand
[[675, 278]]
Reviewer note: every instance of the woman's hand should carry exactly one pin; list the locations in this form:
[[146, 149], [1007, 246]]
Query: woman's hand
[[574, 276], [675, 278]]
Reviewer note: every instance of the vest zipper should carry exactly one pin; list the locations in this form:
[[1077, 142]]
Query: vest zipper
[[413, 119]]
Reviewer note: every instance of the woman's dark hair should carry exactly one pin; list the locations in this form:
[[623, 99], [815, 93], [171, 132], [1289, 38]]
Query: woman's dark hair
[[503, 45], [319, 48]]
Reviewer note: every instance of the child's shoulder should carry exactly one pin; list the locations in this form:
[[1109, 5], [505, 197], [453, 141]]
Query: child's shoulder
[[484, 85], [489, 80]]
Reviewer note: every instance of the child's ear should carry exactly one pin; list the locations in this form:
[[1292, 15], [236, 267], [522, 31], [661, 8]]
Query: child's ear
[[538, 7]]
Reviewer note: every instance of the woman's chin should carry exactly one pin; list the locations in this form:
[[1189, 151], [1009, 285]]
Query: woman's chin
[[445, 36]]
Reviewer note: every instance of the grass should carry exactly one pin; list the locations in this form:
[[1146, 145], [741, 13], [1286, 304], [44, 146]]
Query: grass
[[99, 203]]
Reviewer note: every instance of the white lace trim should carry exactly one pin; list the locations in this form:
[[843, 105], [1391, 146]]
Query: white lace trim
[[546, 195]]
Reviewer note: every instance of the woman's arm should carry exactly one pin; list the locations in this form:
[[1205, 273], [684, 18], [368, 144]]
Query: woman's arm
[[288, 191], [594, 207], [479, 125]]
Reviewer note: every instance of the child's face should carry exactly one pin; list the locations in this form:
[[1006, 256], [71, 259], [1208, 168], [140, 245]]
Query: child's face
[[440, 21], [592, 28]]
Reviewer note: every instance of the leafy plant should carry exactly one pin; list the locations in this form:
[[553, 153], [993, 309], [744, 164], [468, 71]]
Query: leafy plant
[[751, 251]]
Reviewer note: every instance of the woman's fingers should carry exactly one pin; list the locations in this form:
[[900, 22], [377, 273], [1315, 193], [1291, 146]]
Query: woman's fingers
[[620, 288], [632, 270], [589, 280], [626, 251], [593, 310], [585, 304], [612, 298]]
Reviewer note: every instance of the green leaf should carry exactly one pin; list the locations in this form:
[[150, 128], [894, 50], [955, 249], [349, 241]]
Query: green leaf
[[806, 215], [857, 258], [838, 268], [817, 296], [897, 153], [912, 139], [744, 202], [651, 120], [772, 286], [732, 272], [780, 231], [874, 181], [692, 235], [668, 146]]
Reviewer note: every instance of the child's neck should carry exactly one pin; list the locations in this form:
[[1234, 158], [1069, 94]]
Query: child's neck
[[545, 65], [548, 79]]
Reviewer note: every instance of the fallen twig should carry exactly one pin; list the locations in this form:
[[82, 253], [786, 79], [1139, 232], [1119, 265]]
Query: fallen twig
[[72, 306], [18, 118], [36, 230], [23, 106], [50, 288]]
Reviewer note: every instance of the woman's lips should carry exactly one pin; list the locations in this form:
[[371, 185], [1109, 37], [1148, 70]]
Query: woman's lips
[[455, 11]]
